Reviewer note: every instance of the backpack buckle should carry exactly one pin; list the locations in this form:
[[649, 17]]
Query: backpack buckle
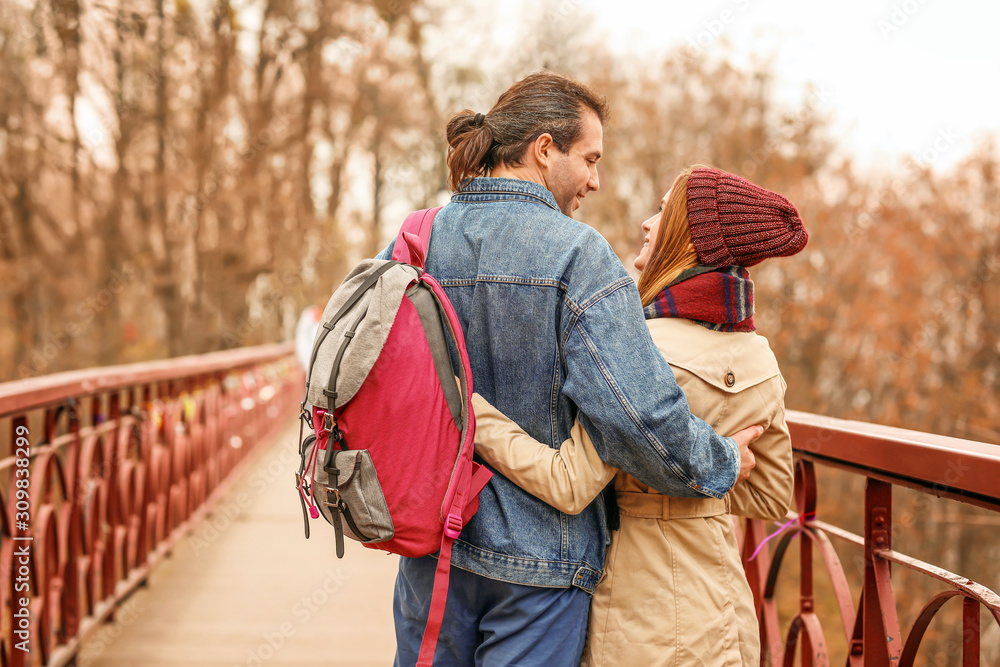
[[332, 497], [453, 525], [332, 430]]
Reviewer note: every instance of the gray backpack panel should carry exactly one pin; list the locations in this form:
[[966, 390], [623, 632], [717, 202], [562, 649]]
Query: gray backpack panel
[[370, 318]]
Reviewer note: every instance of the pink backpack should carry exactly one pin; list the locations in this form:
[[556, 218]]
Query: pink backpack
[[388, 461]]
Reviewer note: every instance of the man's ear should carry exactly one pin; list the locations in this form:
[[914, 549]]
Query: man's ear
[[541, 149]]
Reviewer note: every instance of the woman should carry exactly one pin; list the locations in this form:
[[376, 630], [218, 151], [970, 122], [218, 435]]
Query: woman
[[674, 591]]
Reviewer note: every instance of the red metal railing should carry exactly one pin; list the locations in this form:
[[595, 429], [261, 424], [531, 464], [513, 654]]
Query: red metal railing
[[122, 462], [945, 467]]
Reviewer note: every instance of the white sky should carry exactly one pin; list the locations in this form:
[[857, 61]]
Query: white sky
[[899, 71]]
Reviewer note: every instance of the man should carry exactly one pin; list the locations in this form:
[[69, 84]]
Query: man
[[554, 331]]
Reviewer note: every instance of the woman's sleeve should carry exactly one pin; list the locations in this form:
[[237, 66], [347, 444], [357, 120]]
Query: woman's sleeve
[[767, 493], [568, 478]]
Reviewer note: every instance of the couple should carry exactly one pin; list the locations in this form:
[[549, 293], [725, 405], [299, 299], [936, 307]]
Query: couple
[[575, 391]]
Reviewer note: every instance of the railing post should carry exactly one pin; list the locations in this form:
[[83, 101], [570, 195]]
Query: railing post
[[971, 633], [805, 491], [881, 636]]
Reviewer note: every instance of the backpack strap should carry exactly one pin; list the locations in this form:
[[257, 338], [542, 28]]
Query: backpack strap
[[475, 477], [415, 237]]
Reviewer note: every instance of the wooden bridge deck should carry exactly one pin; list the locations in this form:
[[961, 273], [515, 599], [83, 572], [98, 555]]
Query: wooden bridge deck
[[246, 589]]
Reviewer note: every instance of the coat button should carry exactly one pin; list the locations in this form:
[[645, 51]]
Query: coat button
[[730, 379]]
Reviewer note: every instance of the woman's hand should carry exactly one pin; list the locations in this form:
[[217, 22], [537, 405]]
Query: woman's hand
[[747, 459]]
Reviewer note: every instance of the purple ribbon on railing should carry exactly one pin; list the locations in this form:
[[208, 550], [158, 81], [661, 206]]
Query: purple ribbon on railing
[[810, 516]]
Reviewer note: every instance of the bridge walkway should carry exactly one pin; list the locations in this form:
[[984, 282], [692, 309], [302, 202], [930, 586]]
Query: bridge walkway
[[245, 589]]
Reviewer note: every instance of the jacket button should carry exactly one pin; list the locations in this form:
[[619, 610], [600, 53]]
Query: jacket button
[[730, 379]]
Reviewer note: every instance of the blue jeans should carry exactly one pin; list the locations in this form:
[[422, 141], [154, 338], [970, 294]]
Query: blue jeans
[[489, 623]]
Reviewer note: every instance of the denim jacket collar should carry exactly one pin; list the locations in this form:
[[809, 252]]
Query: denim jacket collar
[[487, 188]]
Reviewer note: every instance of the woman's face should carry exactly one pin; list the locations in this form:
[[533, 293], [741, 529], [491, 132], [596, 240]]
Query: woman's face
[[651, 227]]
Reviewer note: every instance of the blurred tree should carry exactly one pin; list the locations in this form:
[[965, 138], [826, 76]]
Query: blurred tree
[[202, 159]]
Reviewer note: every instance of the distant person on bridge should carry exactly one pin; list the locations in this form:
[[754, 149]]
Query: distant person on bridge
[[554, 330], [674, 591]]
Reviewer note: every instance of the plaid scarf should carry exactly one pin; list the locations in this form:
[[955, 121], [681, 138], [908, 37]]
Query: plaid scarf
[[716, 297]]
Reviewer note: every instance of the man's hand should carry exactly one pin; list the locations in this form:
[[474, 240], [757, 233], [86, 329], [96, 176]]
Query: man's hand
[[747, 459]]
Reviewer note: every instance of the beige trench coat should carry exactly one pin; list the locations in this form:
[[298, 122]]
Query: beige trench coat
[[673, 591]]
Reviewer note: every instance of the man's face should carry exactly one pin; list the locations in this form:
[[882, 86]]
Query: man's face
[[571, 175]]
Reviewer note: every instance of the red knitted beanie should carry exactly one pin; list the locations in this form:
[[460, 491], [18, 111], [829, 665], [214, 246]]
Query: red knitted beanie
[[733, 221]]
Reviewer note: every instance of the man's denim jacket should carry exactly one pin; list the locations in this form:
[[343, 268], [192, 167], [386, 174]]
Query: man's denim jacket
[[555, 331]]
